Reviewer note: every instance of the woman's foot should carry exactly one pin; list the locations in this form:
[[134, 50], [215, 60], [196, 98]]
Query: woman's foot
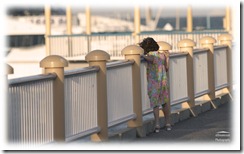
[[156, 129], [168, 127]]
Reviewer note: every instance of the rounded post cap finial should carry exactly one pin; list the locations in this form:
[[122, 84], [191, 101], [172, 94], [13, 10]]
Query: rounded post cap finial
[[225, 37], [186, 43], [97, 55], [207, 40], [163, 46], [53, 61], [9, 69], [132, 50]]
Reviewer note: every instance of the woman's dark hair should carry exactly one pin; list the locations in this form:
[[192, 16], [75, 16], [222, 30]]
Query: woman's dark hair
[[149, 44]]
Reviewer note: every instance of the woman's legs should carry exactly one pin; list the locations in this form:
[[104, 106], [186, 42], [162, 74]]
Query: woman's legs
[[166, 111], [156, 117], [166, 107]]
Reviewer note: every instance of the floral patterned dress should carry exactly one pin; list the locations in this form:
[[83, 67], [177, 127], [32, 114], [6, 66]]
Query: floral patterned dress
[[157, 79]]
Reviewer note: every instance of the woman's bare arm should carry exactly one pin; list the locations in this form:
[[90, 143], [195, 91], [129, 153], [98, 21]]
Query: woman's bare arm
[[166, 53], [148, 58]]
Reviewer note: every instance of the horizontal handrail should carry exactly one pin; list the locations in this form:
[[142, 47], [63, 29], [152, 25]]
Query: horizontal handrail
[[147, 111], [221, 86], [196, 51], [122, 120], [179, 101], [79, 71], [67, 35], [34, 78], [83, 134], [112, 34], [202, 93], [178, 54], [120, 63], [93, 34], [171, 55], [182, 32], [220, 46]]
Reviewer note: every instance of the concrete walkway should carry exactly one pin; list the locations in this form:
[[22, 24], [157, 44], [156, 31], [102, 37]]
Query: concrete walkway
[[206, 127]]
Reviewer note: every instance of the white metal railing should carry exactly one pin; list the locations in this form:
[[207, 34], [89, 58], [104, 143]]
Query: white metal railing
[[79, 46], [112, 44], [220, 67], [61, 46], [30, 109], [146, 108], [80, 102], [120, 101], [30, 99], [71, 46], [177, 81], [200, 67], [173, 37], [178, 78]]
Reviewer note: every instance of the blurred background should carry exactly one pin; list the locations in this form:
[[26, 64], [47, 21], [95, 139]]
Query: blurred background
[[26, 25], [73, 31]]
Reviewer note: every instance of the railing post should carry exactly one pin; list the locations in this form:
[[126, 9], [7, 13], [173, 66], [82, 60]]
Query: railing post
[[88, 27], [9, 69], [68, 20], [133, 52], [88, 20], [165, 47], [208, 42], [189, 19], [226, 39], [187, 45], [137, 24], [48, 28], [69, 29], [99, 58], [228, 25], [56, 64]]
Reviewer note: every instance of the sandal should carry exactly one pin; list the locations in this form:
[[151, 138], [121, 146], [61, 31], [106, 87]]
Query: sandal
[[156, 129], [168, 127]]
